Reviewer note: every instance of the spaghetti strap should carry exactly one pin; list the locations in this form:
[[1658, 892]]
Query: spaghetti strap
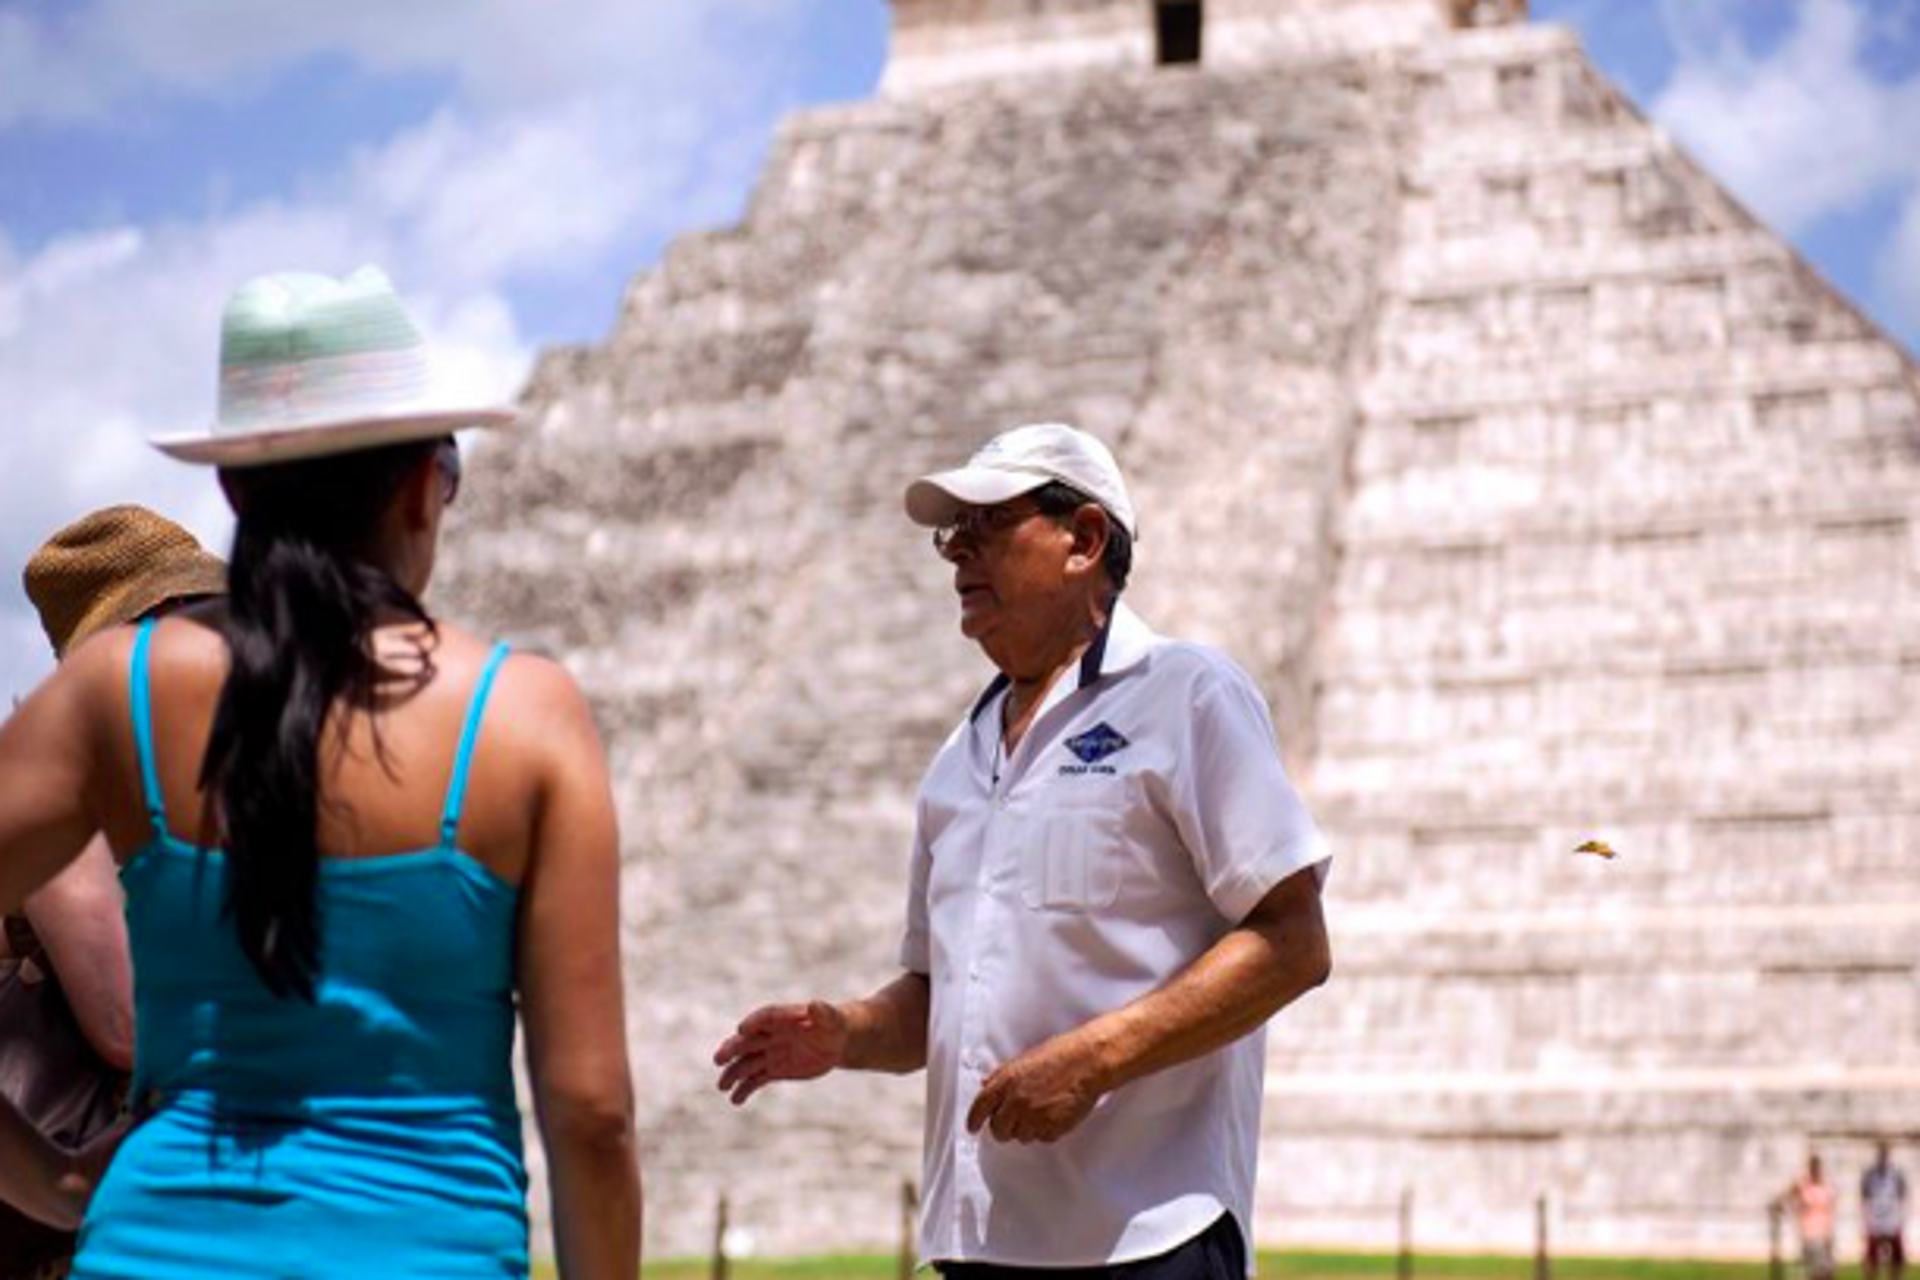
[[457, 787], [143, 730]]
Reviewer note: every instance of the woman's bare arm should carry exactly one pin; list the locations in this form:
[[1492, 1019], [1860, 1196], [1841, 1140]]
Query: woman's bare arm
[[571, 993], [51, 784]]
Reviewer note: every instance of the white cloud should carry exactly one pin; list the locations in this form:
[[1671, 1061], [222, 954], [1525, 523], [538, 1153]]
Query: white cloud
[[580, 126], [534, 193], [23, 656], [1802, 132], [88, 60], [120, 343]]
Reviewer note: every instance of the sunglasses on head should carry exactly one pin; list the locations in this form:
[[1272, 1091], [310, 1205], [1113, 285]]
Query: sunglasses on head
[[446, 460]]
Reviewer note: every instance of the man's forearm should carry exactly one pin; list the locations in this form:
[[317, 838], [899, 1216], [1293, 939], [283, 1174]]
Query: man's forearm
[[887, 1031], [79, 919], [1276, 955]]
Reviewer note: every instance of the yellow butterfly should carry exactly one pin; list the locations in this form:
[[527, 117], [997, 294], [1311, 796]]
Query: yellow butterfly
[[1598, 848]]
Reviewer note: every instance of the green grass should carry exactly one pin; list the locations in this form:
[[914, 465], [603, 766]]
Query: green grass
[[829, 1266], [1451, 1266], [1273, 1266]]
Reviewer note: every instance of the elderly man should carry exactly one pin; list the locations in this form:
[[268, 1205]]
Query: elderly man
[[1114, 887]]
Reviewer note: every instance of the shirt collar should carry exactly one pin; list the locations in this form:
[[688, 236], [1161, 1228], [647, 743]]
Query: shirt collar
[[1125, 642], [1121, 644]]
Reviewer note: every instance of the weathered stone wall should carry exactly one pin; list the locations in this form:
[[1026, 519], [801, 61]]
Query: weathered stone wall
[[1545, 494], [941, 43], [1628, 552]]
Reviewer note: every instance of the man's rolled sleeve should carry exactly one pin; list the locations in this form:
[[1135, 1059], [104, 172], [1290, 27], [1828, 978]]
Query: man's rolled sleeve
[[1238, 813], [915, 949]]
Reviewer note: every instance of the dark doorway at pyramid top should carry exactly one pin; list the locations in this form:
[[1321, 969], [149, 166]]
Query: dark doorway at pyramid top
[[1180, 23]]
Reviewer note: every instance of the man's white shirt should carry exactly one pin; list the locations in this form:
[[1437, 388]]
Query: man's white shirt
[[1883, 1193], [1143, 815]]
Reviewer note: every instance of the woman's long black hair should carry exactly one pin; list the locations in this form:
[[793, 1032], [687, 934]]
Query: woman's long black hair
[[303, 604]]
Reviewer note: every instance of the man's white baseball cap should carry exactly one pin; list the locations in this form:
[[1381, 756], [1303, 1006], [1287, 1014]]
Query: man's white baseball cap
[[1019, 461]]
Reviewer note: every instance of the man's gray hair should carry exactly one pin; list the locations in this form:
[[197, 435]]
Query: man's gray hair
[[1057, 498]]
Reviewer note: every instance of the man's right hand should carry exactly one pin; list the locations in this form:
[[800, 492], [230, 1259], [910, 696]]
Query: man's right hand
[[781, 1042]]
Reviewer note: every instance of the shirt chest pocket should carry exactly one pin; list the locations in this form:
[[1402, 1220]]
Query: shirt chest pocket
[[1071, 860]]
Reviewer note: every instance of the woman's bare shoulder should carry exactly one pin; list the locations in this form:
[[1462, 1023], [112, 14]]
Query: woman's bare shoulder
[[195, 636], [537, 683], [531, 691], [96, 672]]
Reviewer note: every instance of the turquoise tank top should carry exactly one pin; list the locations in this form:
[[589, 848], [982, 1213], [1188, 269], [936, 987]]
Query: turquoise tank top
[[371, 1132]]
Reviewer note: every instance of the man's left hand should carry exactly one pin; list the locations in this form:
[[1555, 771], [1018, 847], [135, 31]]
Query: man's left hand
[[1042, 1095]]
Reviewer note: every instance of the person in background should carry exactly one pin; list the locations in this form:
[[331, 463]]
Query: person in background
[[1811, 1201], [109, 568], [1883, 1212], [354, 840]]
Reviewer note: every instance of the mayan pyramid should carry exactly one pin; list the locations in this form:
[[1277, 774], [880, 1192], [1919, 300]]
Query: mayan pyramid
[[1546, 493]]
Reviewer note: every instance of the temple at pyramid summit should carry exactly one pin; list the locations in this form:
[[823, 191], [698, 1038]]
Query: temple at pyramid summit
[[1546, 493]]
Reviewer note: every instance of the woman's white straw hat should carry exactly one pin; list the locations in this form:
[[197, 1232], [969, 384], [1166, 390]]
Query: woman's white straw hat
[[312, 366]]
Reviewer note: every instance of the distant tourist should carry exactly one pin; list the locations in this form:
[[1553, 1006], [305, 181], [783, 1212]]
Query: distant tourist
[[1811, 1201], [1883, 1212], [1114, 886], [355, 841]]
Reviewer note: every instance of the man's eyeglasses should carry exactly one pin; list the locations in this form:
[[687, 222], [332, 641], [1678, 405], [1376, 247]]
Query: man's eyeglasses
[[446, 460], [980, 525]]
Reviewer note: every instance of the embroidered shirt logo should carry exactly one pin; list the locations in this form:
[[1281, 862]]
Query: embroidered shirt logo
[[1093, 746]]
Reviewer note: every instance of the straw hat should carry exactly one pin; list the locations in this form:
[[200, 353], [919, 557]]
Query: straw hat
[[312, 366], [112, 567]]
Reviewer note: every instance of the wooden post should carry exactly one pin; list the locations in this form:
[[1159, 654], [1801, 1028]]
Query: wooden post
[[909, 1252], [720, 1240], [1403, 1263], [1776, 1264], [1542, 1267]]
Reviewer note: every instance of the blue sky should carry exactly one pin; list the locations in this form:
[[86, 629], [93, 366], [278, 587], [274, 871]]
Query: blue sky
[[514, 162]]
